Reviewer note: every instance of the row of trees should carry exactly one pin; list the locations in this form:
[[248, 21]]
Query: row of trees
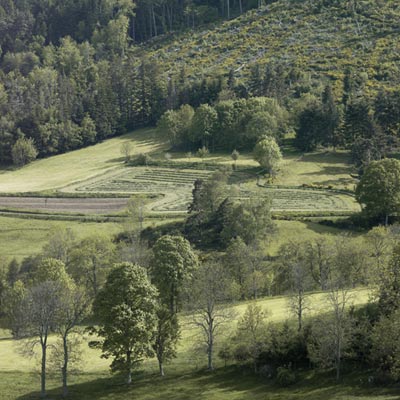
[[233, 123], [367, 127]]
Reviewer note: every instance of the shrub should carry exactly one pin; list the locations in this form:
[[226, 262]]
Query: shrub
[[23, 152], [285, 376], [141, 159]]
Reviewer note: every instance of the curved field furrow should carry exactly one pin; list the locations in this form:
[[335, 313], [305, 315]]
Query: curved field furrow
[[175, 188]]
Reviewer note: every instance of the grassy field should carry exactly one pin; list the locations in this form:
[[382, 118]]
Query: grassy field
[[185, 379], [21, 237], [64, 169], [24, 237]]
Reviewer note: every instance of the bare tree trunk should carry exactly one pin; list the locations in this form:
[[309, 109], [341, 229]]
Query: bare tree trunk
[[129, 364], [161, 366], [210, 349], [64, 368], [43, 369], [240, 7]]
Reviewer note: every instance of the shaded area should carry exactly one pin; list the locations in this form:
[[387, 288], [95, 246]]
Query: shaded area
[[231, 383]]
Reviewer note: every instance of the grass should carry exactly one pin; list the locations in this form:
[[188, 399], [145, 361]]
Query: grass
[[24, 237], [185, 379], [318, 168], [64, 169]]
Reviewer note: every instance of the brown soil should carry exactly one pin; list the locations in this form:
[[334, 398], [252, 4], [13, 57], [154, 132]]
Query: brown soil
[[75, 205]]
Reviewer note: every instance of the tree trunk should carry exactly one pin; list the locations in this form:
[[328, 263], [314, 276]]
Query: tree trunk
[[129, 365], [210, 346], [43, 370], [64, 368], [240, 7], [339, 356], [210, 365], [161, 366]]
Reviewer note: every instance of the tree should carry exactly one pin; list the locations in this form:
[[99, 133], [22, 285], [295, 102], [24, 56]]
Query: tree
[[91, 260], [268, 154], [136, 250], [74, 307], [41, 308], [332, 119], [248, 267], [385, 345], [60, 244], [203, 152], [379, 189], [204, 124], [249, 219], [299, 279], [208, 195], [262, 124], [125, 309], [168, 125], [23, 152], [166, 336], [126, 150], [379, 243], [388, 282], [310, 125], [172, 266], [331, 335], [319, 258], [237, 263], [209, 289], [251, 331]]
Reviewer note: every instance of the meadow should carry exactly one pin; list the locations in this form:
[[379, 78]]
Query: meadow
[[186, 377], [58, 171]]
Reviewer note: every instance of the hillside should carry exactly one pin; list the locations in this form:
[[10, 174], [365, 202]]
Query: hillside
[[322, 37]]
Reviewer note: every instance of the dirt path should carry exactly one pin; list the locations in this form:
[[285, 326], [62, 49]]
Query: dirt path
[[76, 205]]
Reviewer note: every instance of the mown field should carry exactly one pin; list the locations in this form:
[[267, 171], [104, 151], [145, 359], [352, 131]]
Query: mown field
[[186, 378]]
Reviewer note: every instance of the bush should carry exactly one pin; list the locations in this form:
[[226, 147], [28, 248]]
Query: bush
[[285, 376], [23, 152], [141, 159]]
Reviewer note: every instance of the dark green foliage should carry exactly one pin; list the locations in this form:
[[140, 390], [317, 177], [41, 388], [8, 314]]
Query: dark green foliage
[[125, 310], [311, 125], [172, 266], [379, 189]]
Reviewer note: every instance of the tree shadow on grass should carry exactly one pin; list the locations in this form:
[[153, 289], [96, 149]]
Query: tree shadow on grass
[[331, 170], [326, 157], [222, 384]]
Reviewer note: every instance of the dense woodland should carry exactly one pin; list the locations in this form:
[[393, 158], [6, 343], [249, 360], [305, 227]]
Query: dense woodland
[[73, 74]]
